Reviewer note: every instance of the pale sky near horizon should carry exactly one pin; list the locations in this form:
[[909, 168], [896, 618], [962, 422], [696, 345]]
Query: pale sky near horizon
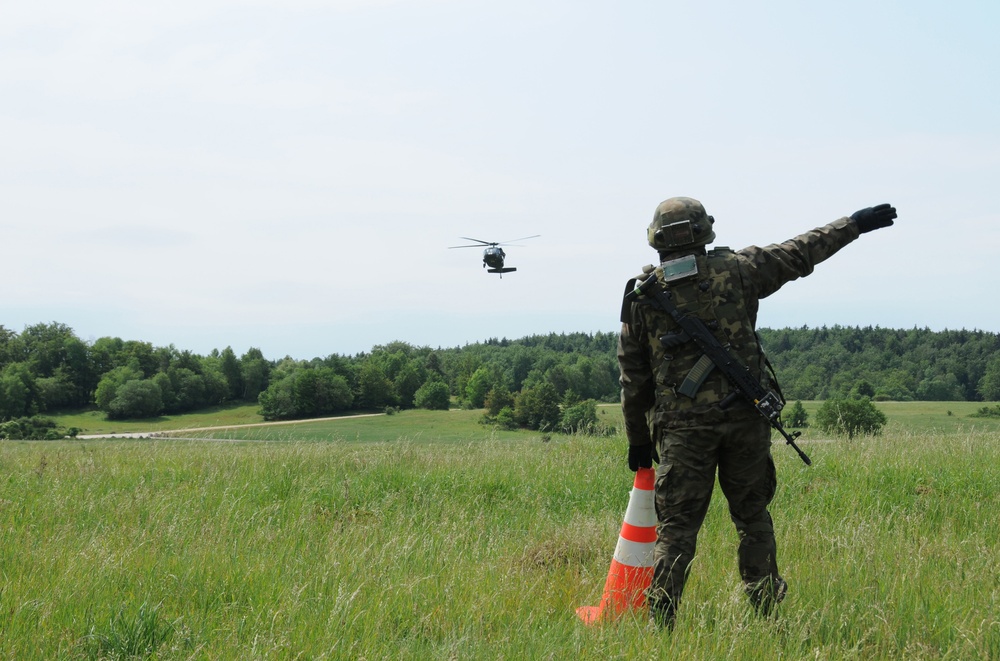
[[289, 175]]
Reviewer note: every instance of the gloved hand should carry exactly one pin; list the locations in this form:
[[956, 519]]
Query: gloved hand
[[647, 271], [640, 456], [873, 218]]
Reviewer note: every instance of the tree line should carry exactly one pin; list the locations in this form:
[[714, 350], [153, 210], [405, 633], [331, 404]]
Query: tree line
[[885, 364], [46, 368]]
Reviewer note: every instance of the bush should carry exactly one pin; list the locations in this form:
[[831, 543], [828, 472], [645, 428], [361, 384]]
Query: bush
[[433, 395], [277, 402], [35, 428], [136, 399], [987, 412], [505, 418], [580, 418], [851, 417]]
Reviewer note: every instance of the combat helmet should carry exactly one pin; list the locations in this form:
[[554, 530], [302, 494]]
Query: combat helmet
[[680, 223]]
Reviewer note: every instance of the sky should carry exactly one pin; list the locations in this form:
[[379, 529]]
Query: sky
[[289, 175]]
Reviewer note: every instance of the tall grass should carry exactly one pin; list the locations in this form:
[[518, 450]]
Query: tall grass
[[421, 549]]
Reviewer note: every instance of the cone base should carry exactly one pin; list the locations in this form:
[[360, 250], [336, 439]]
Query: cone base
[[589, 614], [624, 590]]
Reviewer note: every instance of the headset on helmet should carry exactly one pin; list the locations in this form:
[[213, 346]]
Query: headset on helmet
[[679, 223]]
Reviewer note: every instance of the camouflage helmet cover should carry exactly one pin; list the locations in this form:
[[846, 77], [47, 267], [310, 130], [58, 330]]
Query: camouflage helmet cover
[[680, 222]]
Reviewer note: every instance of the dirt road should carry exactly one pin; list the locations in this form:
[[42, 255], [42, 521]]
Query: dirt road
[[171, 433]]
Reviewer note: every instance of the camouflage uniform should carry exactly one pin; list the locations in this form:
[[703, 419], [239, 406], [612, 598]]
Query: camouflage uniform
[[693, 436]]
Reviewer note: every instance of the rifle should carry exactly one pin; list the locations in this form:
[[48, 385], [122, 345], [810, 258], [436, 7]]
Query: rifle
[[766, 402]]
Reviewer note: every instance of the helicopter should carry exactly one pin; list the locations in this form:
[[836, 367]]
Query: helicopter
[[493, 254]]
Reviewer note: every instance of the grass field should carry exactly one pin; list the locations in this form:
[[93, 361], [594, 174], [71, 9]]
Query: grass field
[[945, 417], [428, 536]]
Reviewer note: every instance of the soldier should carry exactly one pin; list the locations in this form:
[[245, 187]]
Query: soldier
[[680, 423]]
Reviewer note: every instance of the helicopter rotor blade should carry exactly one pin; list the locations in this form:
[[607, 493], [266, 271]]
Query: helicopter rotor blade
[[479, 243], [511, 241]]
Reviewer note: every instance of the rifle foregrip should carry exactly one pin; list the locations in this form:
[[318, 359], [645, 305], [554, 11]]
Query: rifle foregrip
[[728, 400]]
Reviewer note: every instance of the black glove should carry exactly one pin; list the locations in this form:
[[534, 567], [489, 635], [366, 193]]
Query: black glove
[[873, 218], [640, 456]]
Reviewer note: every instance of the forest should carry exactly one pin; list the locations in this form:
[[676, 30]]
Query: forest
[[46, 368]]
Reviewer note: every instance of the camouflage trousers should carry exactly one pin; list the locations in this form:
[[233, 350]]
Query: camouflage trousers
[[690, 453]]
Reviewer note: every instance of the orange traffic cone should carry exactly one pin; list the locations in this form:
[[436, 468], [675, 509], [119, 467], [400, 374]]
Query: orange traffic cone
[[632, 566]]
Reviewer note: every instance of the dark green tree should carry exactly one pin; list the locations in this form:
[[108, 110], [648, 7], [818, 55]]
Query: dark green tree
[[863, 389], [537, 407], [499, 397], [505, 418], [136, 399], [17, 391], [433, 395], [410, 378], [797, 416], [189, 388], [58, 391], [320, 391], [140, 356], [989, 384], [114, 379], [232, 371], [10, 347], [256, 374], [481, 382], [53, 352], [278, 401], [376, 390]]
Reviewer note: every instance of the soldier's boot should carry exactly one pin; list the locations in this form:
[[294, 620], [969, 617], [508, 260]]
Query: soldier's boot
[[766, 594], [662, 614]]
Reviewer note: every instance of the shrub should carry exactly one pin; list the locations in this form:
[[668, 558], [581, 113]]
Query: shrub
[[580, 418], [136, 399], [433, 395], [277, 402], [987, 412], [35, 428], [797, 416], [851, 417], [505, 418]]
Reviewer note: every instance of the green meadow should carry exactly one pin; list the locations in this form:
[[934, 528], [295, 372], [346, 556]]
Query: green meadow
[[425, 535]]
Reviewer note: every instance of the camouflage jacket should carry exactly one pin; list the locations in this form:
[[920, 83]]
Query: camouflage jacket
[[725, 294]]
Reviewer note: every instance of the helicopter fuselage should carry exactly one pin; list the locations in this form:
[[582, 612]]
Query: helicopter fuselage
[[493, 257]]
